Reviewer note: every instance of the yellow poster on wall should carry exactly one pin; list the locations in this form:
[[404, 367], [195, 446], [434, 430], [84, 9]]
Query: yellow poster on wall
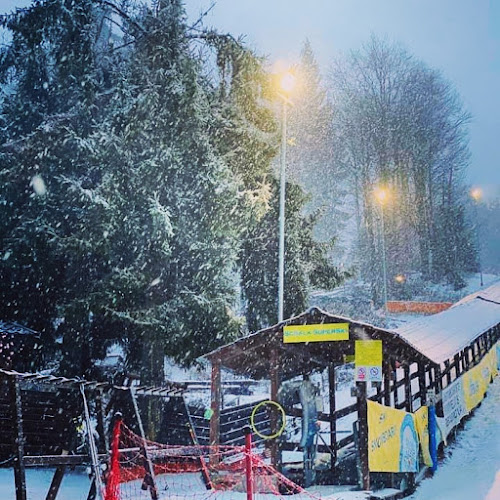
[[422, 424], [392, 440], [477, 380]]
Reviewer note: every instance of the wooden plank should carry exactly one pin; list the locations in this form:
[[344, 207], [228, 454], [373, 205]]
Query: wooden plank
[[215, 403], [56, 460], [56, 480], [333, 419], [363, 436], [19, 472]]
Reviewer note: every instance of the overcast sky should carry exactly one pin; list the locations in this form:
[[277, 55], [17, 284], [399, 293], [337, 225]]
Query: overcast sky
[[459, 37]]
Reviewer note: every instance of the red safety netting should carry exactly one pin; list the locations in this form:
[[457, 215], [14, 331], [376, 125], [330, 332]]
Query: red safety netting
[[150, 470]]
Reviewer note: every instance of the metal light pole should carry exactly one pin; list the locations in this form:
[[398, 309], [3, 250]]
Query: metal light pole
[[476, 195], [384, 264], [287, 84], [382, 194], [281, 250]]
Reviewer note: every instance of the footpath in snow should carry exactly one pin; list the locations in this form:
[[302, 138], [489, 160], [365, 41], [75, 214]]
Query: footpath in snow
[[471, 470]]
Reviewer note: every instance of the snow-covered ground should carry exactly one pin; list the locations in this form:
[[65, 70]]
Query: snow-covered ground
[[471, 469]]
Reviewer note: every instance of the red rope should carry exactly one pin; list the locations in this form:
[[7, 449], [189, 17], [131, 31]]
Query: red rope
[[113, 482]]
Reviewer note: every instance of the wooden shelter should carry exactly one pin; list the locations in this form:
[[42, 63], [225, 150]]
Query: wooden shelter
[[428, 357]]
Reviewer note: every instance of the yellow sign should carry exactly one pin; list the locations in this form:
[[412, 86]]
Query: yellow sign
[[392, 440], [368, 361], [325, 332], [368, 352]]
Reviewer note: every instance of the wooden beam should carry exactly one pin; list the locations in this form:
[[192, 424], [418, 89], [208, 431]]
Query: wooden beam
[[364, 479], [387, 372], [274, 377], [421, 384], [19, 472], [332, 418], [56, 480], [408, 400], [215, 402]]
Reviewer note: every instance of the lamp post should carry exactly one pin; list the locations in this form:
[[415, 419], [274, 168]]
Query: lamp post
[[476, 195], [381, 195], [287, 84]]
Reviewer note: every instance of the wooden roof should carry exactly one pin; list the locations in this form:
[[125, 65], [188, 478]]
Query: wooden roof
[[252, 355]]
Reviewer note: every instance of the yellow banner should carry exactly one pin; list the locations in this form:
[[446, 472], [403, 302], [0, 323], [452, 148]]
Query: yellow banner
[[422, 424], [392, 440], [477, 380], [326, 332]]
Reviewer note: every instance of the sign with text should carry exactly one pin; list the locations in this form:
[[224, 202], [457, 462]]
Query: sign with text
[[368, 361], [326, 332], [393, 442]]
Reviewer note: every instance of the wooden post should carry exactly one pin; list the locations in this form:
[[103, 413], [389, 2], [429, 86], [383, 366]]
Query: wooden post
[[275, 383], [215, 404], [333, 418], [457, 365], [387, 371], [19, 472], [408, 401], [363, 435], [448, 372], [421, 383], [149, 478]]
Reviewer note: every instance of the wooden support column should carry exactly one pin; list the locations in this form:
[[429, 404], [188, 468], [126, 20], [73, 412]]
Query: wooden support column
[[215, 403], [408, 400], [395, 387], [387, 371], [458, 371], [19, 472], [421, 384], [364, 471], [333, 418], [448, 372], [274, 377]]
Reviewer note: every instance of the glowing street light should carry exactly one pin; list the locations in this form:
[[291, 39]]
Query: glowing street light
[[382, 196], [287, 84], [477, 195]]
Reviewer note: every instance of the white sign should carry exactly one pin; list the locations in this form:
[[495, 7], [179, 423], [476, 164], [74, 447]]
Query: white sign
[[454, 408]]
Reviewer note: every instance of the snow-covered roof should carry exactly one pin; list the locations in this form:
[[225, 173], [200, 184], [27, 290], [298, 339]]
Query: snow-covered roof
[[252, 355], [440, 336]]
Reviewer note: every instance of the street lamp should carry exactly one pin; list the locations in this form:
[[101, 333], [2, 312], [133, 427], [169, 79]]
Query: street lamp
[[477, 194], [382, 195], [287, 83]]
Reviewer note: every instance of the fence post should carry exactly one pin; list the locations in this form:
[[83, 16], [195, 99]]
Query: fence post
[[248, 461], [431, 399]]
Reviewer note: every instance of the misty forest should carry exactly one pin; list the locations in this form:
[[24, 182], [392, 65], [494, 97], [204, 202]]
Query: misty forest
[[139, 183]]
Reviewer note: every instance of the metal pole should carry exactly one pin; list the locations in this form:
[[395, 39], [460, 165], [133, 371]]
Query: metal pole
[[248, 461], [281, 250], [384, 267], [478, 239], [96, 470], [149, 479]]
